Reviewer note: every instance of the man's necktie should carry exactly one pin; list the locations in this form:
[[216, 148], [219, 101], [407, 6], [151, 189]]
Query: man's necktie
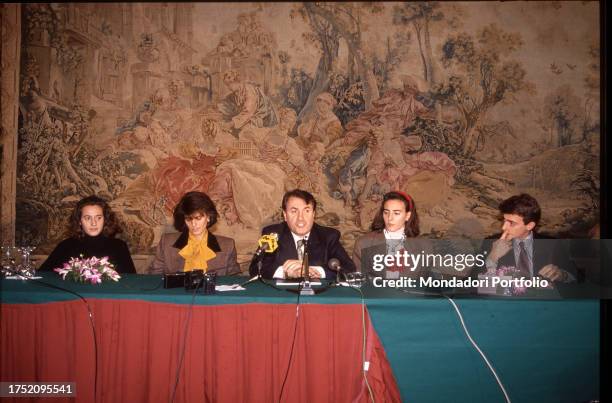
[[300, 249], [523, 261]]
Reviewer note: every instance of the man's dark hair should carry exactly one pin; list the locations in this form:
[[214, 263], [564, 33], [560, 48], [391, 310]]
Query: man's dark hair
[[522, 205], [300, 194], [194, 202], [111, 224]]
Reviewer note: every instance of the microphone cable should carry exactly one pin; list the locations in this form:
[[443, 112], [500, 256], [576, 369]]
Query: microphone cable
[[91, 321], [484, 357], [297, 316], [364, 371], [467, 333], [258, 277], [184, 347], [334, 264], [161, 282]]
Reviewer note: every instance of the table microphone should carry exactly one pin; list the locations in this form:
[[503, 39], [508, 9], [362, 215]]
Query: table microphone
[[267, 243], [334, 264]]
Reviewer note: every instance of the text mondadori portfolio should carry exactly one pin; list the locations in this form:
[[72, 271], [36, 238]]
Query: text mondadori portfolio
[[493, 281]]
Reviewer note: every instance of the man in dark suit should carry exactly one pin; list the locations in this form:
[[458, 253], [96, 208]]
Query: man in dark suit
[[521, 247], [298, 234]]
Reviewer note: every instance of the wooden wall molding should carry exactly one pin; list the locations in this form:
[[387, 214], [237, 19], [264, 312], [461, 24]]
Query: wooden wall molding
[[10, 15]]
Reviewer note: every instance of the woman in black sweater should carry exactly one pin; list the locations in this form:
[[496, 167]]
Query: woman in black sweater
[[92, 231]]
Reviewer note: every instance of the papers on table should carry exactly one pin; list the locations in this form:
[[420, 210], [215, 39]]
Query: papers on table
[[18, 277], [232, 287]]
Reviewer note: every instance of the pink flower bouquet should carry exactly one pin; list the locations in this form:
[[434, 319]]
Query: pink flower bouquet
[[511, 271], [91, 270]]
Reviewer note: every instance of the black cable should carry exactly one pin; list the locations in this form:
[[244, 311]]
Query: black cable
[[161, 282], [182, 356], [271, 285], [260, 278], [91, 321], [264, 281], [297, 316]]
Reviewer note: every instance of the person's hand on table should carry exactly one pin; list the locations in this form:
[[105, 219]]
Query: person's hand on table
[[553, 273], [313, 273], [293, 269]]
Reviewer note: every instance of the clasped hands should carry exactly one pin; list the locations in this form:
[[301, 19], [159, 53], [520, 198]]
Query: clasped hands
[[293, 269], [553, 273]]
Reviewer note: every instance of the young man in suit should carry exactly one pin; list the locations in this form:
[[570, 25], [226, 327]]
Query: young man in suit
[[298, 233], [520, 246]]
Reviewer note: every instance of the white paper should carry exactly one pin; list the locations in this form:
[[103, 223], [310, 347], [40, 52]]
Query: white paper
[[233, 287], [17, 277]]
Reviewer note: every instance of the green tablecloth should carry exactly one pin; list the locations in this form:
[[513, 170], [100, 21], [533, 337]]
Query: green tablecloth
[[543, 350]]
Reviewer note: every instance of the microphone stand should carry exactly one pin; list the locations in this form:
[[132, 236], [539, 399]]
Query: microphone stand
[[258, 277], [260, 254], [334, 264], [305, 287]]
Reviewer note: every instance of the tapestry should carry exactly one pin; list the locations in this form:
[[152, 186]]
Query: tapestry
[[459, 104]]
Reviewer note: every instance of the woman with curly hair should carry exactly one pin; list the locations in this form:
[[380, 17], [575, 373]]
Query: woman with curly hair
[[92, 229]]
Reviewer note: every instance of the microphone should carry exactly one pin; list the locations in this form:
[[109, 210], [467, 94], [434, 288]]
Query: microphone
[[267, 243], [334, 265], [305, 263], [306, 288]]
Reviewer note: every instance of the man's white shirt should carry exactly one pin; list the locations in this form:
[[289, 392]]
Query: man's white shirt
[[280, 273]]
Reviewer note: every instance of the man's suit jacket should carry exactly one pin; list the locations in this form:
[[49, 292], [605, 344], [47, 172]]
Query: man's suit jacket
[[546, 250], [323, 245], [168, 260]]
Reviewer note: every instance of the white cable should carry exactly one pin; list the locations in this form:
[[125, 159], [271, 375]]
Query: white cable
[[363, 368], [363, 351], [467, 333], [484, 357]]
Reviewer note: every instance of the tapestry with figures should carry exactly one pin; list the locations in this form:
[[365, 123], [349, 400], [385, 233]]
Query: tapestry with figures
[[459, 104]]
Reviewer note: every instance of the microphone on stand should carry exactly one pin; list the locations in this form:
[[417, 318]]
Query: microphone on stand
[[267, 243], [306, 288], [334, 265], [305, 265]]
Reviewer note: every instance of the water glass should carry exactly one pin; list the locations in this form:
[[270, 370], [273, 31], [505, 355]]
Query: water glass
[[8, 260], [26, 268], [355, 279]]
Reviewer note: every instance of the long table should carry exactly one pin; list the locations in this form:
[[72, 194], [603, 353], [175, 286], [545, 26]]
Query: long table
[[237, 344]]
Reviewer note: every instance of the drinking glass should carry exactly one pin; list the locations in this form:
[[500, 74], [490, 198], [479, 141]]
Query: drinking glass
[[355, 279], [8, 260], [26, 268]]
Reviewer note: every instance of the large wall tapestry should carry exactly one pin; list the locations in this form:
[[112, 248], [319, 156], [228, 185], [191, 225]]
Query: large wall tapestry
[[458, 104]]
